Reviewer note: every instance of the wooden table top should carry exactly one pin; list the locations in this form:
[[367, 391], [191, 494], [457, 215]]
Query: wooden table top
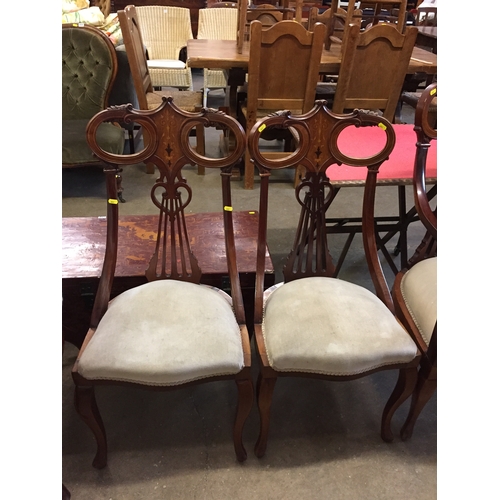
[[84, 238], [223, 54]]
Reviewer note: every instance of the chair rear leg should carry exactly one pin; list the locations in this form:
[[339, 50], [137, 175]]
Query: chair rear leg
[[265, 388], [86, 406], [421, 395], [245, 401], [404, 387]]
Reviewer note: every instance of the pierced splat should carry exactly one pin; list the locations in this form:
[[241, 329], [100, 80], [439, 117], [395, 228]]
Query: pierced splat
[[168, 148], [170, 331], [310, 255], [173, 257], [317, 133]]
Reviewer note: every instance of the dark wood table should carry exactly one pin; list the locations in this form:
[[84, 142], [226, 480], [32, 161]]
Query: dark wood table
[[83, 242]]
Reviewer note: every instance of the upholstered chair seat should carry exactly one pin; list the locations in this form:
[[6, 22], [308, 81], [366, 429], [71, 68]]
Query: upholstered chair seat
[[331, 326], [165, 333], [419, 292]]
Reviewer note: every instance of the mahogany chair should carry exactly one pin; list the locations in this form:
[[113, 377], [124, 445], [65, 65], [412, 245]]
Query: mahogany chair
[[415, 289], [89, 68], [147, 97], [314, 325], [373, 68], [283, 70], [172, 331]]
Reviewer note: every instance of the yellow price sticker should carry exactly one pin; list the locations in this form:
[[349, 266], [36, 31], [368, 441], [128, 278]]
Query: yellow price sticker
[[228, 209], [111, 201], [433, 91], [262, 127], [382, 126]]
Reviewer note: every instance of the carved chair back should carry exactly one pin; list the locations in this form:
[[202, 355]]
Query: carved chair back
[[168, 148], [318, 133]]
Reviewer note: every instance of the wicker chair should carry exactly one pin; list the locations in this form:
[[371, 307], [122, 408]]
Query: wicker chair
[[216, 24], [165, 31]]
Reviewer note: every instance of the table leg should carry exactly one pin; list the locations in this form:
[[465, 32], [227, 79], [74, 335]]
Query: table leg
[[235, 78]]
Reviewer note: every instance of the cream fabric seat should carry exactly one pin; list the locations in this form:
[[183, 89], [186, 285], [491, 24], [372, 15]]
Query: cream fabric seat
[[171, 331], [316, 325], [165, 333], [419, 291], [331, 326], [216, 24], [165, 31]]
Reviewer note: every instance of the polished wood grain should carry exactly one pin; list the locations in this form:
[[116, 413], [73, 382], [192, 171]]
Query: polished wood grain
[[84, 239]]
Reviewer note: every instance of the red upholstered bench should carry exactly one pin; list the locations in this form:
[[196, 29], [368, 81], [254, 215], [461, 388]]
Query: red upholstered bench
[[396, 171]]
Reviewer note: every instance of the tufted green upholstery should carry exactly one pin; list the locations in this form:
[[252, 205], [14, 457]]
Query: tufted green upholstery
[[89, 68]]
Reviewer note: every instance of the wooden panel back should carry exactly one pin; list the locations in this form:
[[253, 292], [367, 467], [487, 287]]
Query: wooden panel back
[[283, 67], [168, 148], [373, 68]]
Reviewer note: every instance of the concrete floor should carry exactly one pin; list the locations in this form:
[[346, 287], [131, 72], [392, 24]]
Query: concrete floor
[[324, 440]]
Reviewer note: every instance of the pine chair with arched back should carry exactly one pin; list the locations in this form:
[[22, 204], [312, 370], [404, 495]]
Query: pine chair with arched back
[[415, 288], [312, 324], [283, 71], [171, 331], [373, 68]]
